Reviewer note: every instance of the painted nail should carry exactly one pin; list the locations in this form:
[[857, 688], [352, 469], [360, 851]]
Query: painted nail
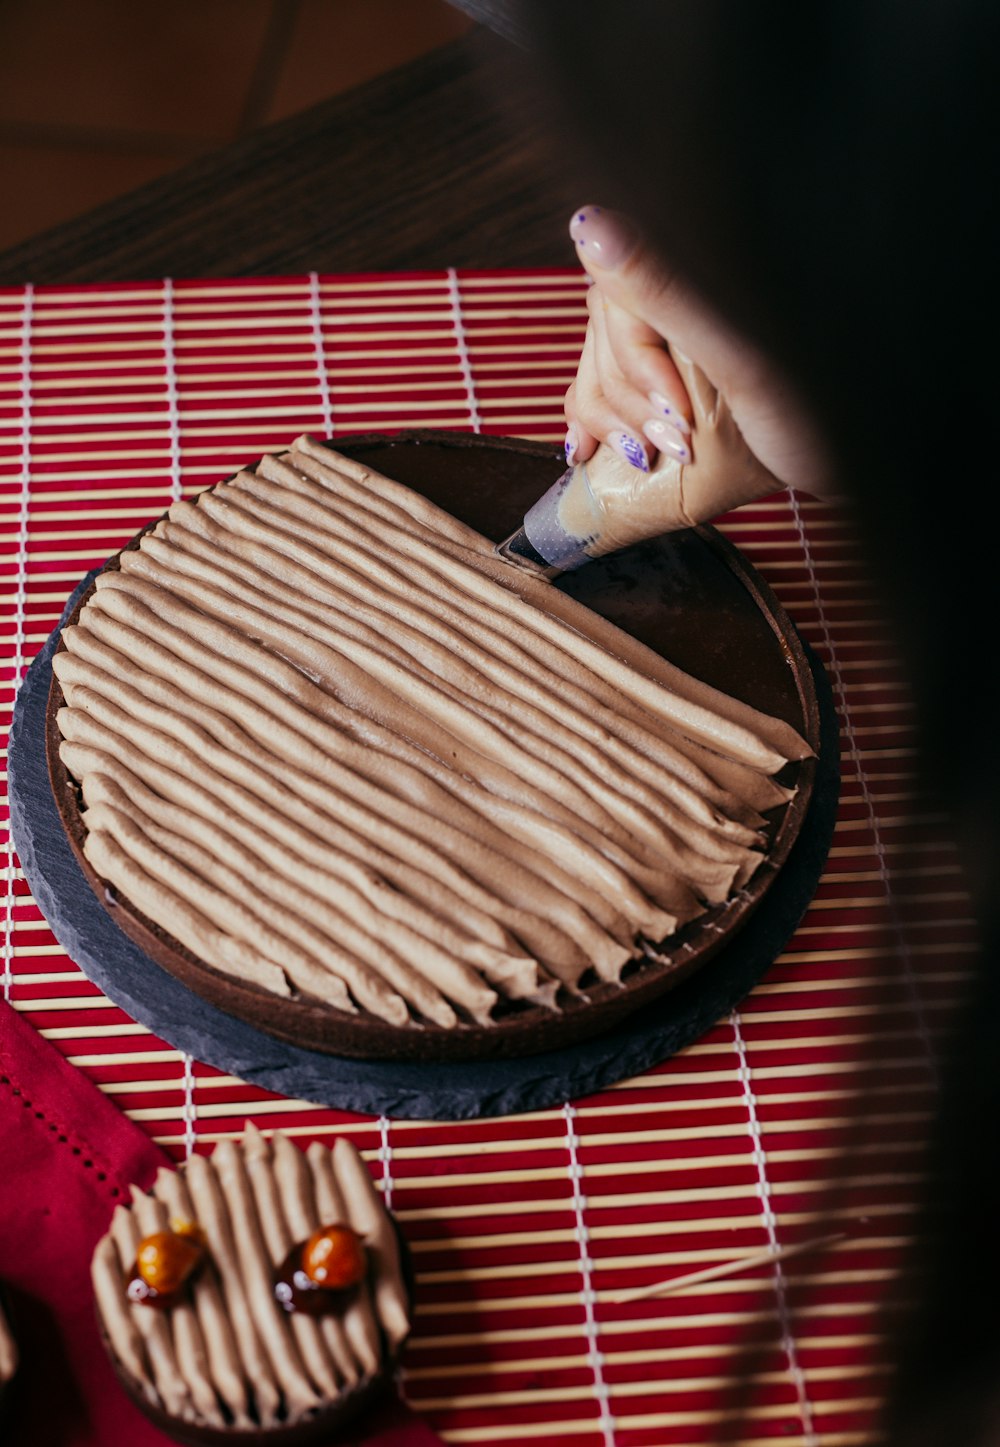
[[670, 412], [603, 237], [666, 438], [631, 449], [570, 445]]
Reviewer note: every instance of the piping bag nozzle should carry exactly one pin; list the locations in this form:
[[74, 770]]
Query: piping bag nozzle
[[605, 504], [545, 543]]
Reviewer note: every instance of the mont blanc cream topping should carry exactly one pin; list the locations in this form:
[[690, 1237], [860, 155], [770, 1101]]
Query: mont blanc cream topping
[[332, 745]]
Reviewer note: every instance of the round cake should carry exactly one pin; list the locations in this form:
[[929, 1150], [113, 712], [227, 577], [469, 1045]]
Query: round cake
[[256, 1295], [358, 781]]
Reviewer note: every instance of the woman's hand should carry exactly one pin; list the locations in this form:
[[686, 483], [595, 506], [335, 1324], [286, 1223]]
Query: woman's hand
[[628, 391]]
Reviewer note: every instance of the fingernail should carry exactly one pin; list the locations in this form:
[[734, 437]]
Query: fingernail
[[631, 449], [666, 438], [603, 237], [570, 445], [670, 412]]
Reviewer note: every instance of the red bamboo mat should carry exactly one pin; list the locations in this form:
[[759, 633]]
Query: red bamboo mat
[[799, 1117]]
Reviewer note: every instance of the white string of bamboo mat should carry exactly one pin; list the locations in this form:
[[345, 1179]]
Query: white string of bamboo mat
[[385, 1156], [321, 375], [902, 947], [587, 1295], [461, 341], [20, 595], [769, 1220]]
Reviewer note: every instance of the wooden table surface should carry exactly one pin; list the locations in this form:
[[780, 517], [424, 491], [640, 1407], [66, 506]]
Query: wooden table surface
[[432, 165]]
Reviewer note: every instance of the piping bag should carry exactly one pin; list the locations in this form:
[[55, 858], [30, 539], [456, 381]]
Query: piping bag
[[605, 504]]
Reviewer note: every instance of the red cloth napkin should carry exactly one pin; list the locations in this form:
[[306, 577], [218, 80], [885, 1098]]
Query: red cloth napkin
[[67, 1156]]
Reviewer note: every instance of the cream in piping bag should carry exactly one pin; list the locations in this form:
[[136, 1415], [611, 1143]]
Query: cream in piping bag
[[605, 504]]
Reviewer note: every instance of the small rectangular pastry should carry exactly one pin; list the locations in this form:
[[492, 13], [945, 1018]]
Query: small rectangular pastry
[[257, 1292], [334, 750]]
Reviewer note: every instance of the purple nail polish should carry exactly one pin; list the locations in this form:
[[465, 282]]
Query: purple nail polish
[[603, 237], [570, 446], [631, 449], [666, 438], [670, 412]]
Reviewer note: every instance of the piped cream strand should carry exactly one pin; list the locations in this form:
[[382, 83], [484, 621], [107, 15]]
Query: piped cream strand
[[113, 1306], [220, 1348], [182, 1323], [360, 1325], [211, 1212], [294, 1187], [255, 1268], [368, 1217], [269, 1203], [167, 1382]]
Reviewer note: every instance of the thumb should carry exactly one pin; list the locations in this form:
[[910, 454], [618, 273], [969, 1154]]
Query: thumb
[[629, 274]]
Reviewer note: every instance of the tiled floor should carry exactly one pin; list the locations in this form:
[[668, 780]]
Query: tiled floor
[[98, 96]]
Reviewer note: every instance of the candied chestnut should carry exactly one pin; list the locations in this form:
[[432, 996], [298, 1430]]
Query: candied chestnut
[[331, 1261], [164, 1263], [334, 1257]]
